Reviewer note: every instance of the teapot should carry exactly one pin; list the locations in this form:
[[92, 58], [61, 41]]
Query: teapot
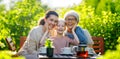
[[79, 48]]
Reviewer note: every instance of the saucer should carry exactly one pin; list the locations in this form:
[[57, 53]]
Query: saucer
[[91, 54], [42, 53], [67, 54]]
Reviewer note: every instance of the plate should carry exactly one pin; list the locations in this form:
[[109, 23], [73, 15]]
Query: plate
[[67, 54], [91, 54], [42, 53]]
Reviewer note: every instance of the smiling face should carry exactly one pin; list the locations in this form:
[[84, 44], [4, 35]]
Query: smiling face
[[51, 21], [61, 27], [70, 21]]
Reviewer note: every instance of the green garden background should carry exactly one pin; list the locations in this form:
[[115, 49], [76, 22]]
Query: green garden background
[[100, 17]]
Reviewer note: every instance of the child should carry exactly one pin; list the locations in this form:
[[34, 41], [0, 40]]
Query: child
[[60, 40]]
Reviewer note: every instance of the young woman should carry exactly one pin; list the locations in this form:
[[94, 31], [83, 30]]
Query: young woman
[[60, 40], [38, 33]]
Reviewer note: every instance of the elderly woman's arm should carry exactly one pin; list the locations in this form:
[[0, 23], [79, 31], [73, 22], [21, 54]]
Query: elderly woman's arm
[[76, 39], [82, 38]]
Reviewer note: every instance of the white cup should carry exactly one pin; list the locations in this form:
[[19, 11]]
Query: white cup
[[90, 50], [66, 50], [42, 50]]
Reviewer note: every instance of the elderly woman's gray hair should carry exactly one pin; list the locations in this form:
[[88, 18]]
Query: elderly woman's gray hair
[[72, 13]]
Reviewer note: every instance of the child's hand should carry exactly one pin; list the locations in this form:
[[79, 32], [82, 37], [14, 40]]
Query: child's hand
[[47, 28], [74, 27]]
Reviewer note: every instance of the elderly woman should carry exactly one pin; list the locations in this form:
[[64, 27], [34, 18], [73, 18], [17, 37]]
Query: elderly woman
[[38, 33], [72, 19]]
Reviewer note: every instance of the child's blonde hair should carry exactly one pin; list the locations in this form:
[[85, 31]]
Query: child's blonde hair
[[61, 20]]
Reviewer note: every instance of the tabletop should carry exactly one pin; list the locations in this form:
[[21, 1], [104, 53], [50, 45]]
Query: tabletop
[[65, 57]]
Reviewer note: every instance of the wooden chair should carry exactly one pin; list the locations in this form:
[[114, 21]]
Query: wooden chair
[[10, 43], [98, 44], [22, 40]]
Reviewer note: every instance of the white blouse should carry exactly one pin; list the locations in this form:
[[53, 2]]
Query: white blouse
[[89, 38]]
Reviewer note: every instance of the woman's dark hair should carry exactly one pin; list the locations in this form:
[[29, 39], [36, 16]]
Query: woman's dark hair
[[41, 22], [51, 13]]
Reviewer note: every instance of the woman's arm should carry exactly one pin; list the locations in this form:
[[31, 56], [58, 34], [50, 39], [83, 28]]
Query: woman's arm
[[74, 34], [75, 37], [29, 47], [80, 34]]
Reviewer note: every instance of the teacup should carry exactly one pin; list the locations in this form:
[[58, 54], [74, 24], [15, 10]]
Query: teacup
[[66, 50], [79, 48], [90, 50], [42, 50]]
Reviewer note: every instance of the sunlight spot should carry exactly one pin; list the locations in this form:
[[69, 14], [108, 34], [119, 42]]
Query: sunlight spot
[[60, 3]]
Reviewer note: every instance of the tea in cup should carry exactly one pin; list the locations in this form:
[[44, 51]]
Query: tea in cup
[[42, 50], [82, 53], [66, 50]]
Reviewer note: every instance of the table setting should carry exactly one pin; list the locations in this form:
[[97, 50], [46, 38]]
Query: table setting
[[75, 52]]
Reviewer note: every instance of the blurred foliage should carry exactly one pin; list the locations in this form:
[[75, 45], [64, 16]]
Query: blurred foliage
[[2, 45], [100, 17], [8, 55], [112, 54], [19, 20]]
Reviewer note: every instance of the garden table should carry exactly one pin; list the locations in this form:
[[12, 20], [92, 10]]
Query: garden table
[[64, 57]]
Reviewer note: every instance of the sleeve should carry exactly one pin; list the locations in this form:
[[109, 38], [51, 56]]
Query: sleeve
[[32, 44], [82, 38], [29, 46], [89, 39], [73, 41], [69, 35]]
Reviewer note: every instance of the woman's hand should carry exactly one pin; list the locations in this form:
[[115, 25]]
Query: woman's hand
[[74, 27], [74, 34]]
